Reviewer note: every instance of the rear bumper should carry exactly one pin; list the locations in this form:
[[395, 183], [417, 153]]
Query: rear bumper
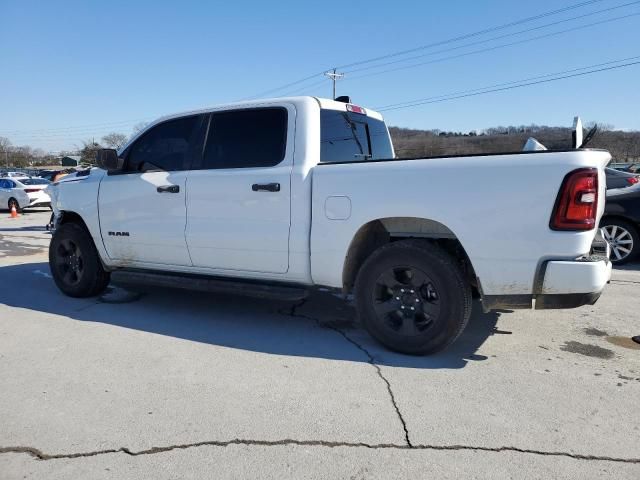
[[563, 283], [566, 300], [38, 204], [571, 284], [39, 199]]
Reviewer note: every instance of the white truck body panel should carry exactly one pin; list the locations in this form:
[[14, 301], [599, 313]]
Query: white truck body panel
[[497, 206], [156, 221], [230, 226]]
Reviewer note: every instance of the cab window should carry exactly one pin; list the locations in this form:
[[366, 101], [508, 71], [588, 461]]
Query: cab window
[[169, 146], [246, 138]]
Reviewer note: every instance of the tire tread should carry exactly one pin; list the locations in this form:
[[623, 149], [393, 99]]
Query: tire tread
[[99, 281], [436, 254]]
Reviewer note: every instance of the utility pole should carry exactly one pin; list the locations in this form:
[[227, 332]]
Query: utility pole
[[334, 77]]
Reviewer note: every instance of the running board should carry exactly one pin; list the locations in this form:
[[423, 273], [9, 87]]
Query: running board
[[202, 283]]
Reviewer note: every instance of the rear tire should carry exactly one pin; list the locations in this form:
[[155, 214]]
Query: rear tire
[[412, 297], [75, 263], [624, 239]]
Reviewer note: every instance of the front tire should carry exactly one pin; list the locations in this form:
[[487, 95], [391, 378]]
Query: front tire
[[412, 297], [75, 263]]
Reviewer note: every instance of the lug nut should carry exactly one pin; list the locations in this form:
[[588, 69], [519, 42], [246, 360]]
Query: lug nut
[[402, 290], [397, 298], [417, 300], [411, 291], [412, 308], [402, 307]]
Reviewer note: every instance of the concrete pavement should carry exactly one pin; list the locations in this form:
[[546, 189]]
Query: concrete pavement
[[181, 384]]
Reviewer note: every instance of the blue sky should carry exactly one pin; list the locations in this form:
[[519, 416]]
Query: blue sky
[[73, 70]]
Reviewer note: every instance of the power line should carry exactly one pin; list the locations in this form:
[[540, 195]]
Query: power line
[[495, 47], [429, 100], [384, 107], [267, 92], [482, 50], [305, 89], [83, 127], [71, 134], [435, 44], [470, 35], [495, 38]]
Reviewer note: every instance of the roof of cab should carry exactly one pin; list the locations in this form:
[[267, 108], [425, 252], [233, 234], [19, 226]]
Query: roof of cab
[[261, 102], [322, 102]]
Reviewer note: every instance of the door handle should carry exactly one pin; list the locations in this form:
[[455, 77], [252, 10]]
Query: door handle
[[168, 189], [265, 187]]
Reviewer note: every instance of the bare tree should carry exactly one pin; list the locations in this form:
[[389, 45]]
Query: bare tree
[[138, 127], [5, 144], [114, 140]]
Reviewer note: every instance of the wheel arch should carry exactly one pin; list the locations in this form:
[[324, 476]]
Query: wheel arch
[[13, 197], [616, 216], [376, 233], [68, 216]]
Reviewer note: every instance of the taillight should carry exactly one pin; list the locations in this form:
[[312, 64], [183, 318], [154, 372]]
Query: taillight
[[577, 203], [632, 180], [31, 190]]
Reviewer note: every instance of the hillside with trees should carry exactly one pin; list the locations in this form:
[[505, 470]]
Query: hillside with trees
[[624, 146]]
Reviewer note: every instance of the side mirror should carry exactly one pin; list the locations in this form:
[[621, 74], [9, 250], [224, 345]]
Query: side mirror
[[107, 159]]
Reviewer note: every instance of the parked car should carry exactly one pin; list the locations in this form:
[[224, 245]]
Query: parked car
[[14, 175], [621, 224], [620, 179], [48, 174], [21, 193], [275, 197], [620, 166]]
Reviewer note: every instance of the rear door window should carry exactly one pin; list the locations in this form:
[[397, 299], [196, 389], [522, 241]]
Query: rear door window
[[246, 138], [352, 137]]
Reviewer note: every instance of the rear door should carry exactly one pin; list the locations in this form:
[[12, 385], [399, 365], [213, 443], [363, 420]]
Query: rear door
[[143, 209], [239, 197]]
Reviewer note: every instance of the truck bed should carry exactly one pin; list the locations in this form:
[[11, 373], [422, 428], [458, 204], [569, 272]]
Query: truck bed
[[498, 208]]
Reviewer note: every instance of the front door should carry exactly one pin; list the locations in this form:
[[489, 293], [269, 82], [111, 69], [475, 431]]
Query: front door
[[239, 197], [143, 209]]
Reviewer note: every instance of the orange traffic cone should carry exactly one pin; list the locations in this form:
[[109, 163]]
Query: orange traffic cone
[[14, 212]]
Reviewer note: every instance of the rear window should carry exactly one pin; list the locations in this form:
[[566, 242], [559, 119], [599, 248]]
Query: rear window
[[35, 181], [352, 137]]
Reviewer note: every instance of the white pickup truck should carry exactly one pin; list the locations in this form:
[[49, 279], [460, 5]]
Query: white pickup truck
[[273, 197]]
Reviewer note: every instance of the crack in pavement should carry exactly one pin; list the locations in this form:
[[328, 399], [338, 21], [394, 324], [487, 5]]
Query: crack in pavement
[[39, 455], [370, 358], [624, 281], [408, 445]]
